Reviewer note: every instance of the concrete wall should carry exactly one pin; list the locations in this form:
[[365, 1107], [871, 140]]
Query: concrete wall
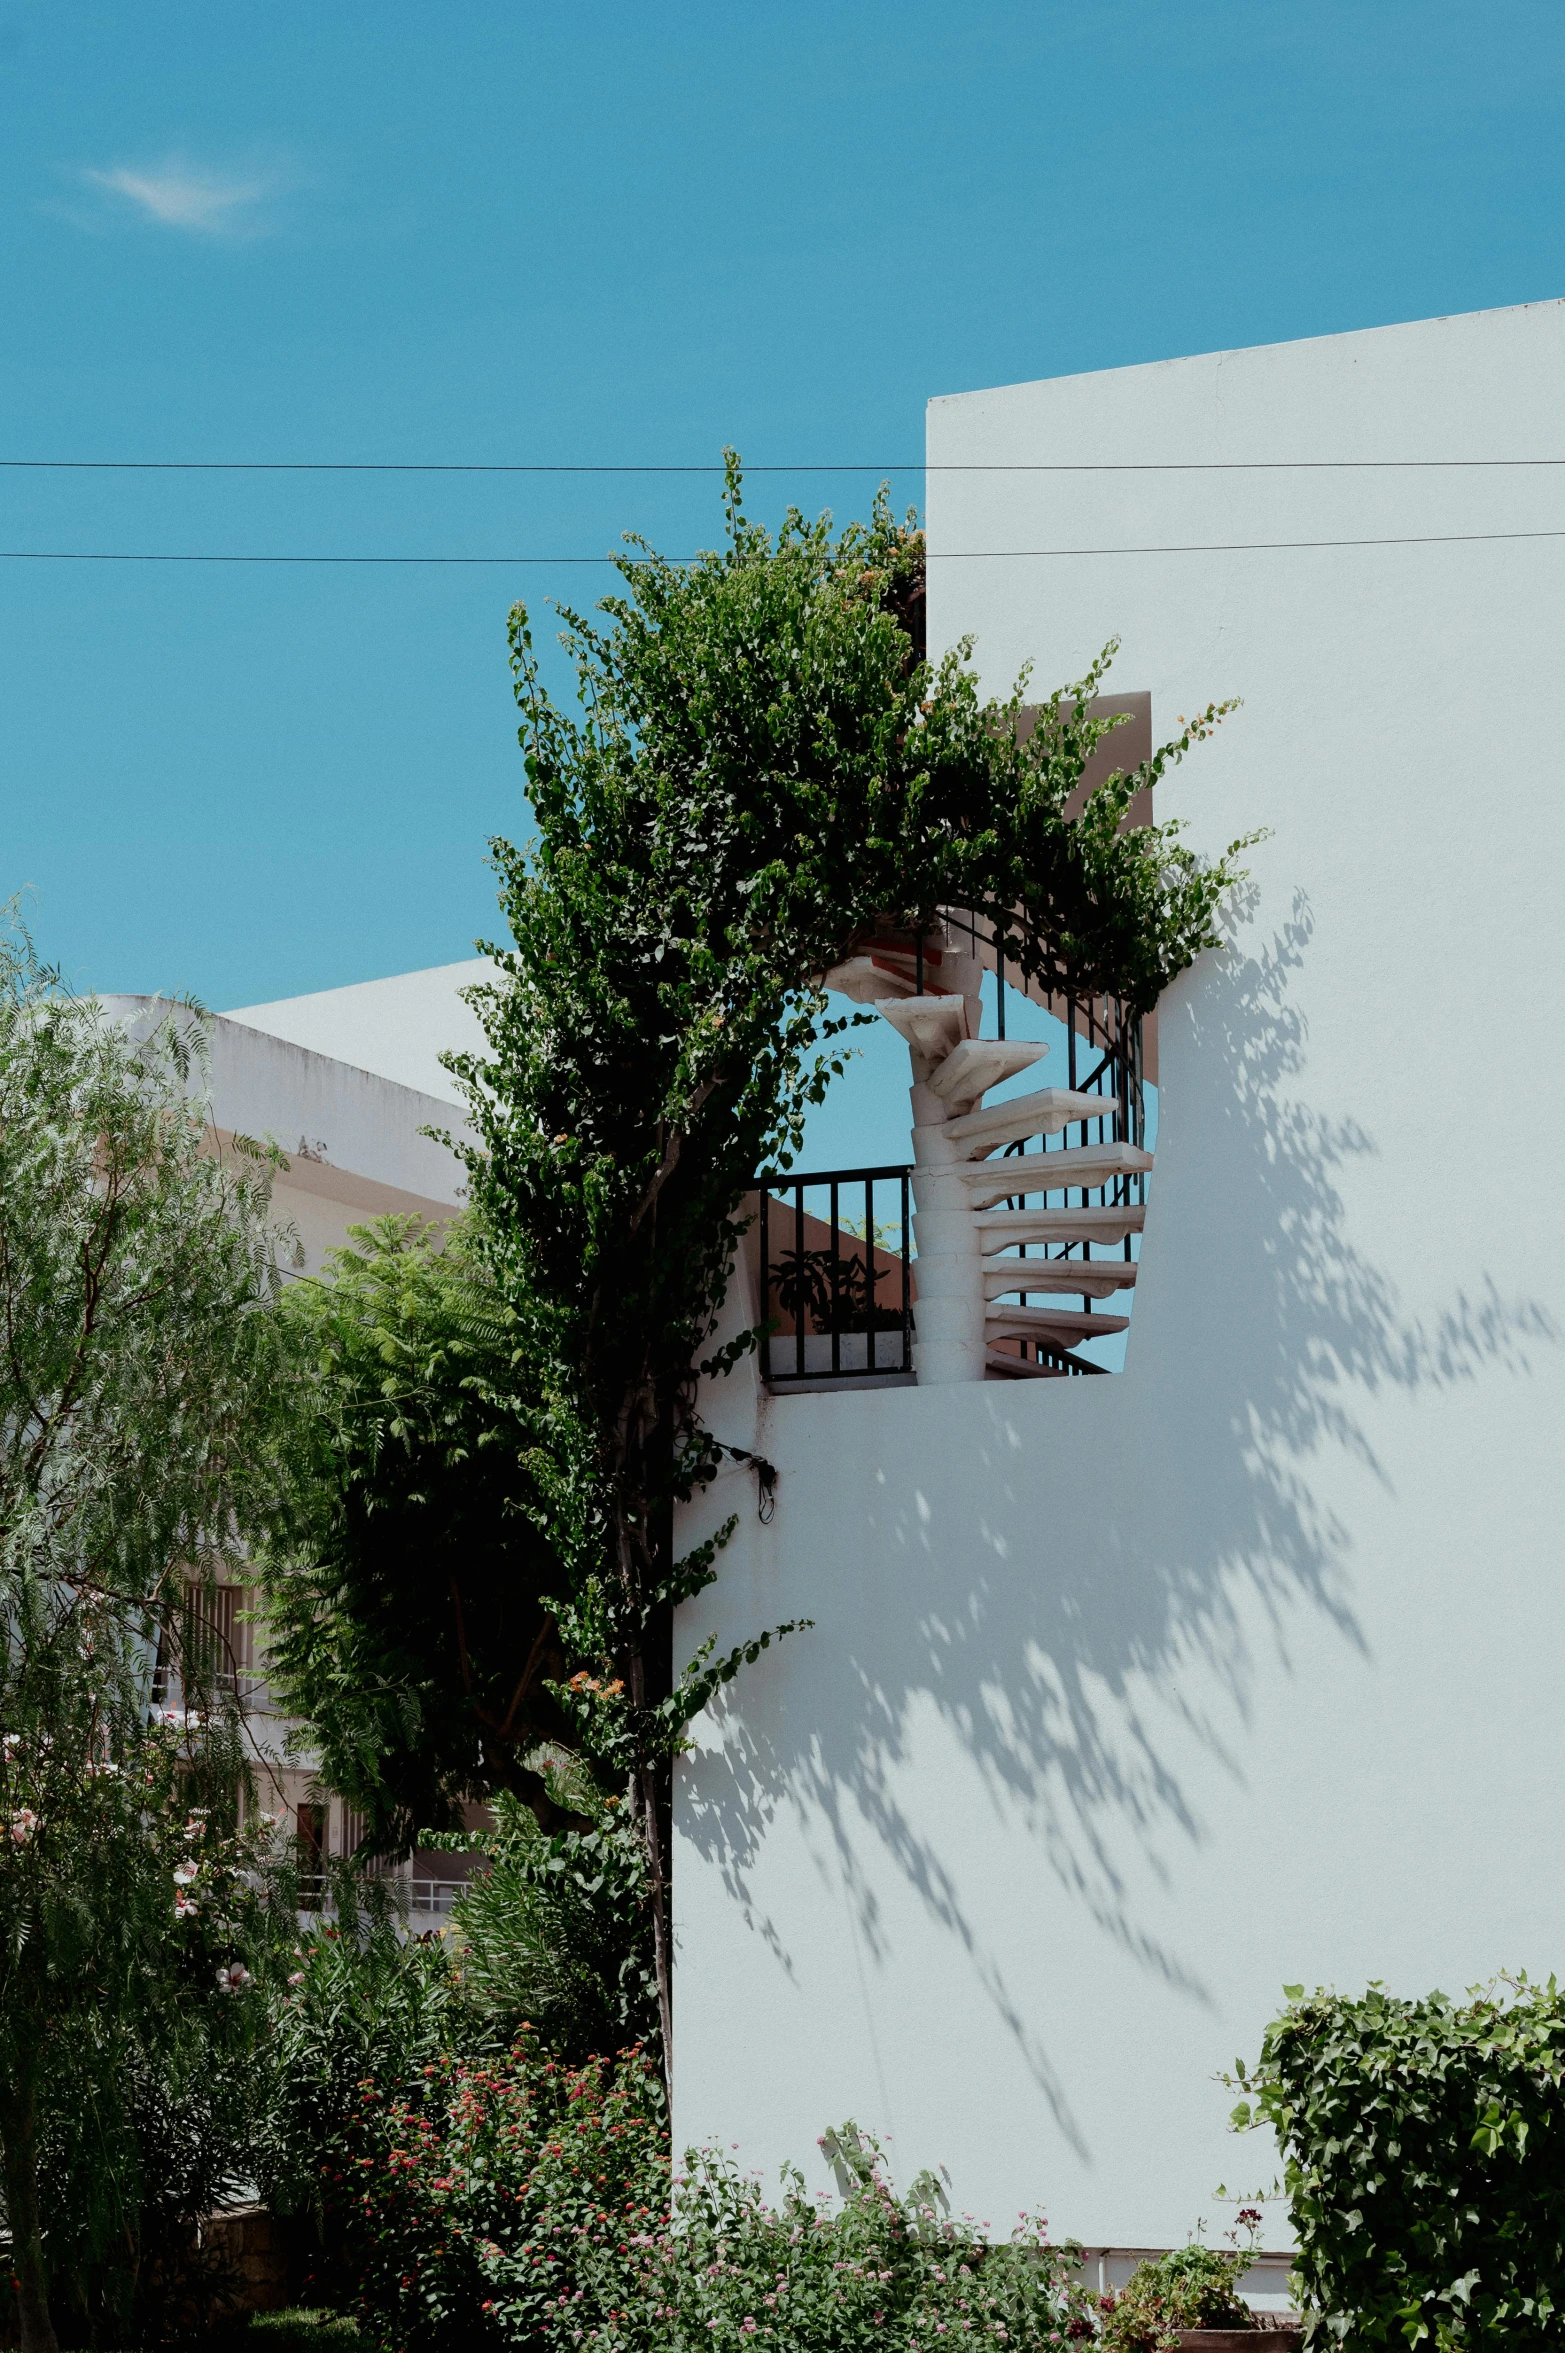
[[397, 1028], [1130, 1699], [356, 1149], [356, 1141]]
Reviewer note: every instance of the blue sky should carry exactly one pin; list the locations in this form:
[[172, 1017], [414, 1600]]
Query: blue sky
[[620, 235]]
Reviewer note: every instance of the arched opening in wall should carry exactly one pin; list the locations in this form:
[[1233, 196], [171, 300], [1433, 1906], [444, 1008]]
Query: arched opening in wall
[[1028, 1184]]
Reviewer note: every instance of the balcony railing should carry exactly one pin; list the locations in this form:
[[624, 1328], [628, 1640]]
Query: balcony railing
[[839, 1286], [428, 1899], [837, 1276], [435, 1896]]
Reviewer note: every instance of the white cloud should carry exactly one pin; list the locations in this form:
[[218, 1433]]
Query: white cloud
[[178, 195]]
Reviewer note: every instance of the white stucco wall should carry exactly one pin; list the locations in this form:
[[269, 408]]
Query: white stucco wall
[[396, 1028], [1131, 1699], [357, 1142]]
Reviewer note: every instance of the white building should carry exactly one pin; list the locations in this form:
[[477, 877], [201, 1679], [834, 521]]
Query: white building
[[1129, 1700]]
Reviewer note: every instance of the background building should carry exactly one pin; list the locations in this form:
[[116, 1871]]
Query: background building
[[346, 1081]]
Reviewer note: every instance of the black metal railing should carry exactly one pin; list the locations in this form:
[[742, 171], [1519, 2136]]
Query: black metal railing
[[837, 1287]]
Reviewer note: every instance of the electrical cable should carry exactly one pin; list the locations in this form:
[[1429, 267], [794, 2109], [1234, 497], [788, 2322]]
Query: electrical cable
[[804, 466], [1200, 547]]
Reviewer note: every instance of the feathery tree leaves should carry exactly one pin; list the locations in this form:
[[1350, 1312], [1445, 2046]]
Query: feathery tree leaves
[[410, 1613], [141, 1388]]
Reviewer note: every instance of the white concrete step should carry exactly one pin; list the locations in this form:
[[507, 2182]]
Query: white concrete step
[[933, 1026], [882, 969], [1043, 1113], [973, 1064], [999, 1229], [1091, 1278], [1086, 1167], [866, 979], [1063, 1325]]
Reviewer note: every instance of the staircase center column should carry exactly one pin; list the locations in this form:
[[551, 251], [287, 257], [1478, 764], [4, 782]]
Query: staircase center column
[[950, 1342]]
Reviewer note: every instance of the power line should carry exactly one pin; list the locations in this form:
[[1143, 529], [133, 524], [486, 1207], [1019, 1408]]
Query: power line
[[805, 466], [57, 555], [1200, 547]]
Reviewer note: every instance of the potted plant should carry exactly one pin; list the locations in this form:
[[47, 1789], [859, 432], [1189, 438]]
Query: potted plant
[[1190, 2299]]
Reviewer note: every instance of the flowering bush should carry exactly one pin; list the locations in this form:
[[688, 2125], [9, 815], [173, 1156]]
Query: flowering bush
[[361, 2011], [806, 2277], [525, 2203], [480, 2185], [134, 1919]]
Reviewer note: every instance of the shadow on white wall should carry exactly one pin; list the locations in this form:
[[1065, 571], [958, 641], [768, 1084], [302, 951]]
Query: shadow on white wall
[[1087, 1628]]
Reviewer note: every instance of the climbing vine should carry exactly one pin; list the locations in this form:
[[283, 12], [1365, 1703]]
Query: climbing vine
[[762, 765]]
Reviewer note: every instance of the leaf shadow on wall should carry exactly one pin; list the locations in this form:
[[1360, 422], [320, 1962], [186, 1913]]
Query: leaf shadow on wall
[[1127, 1531]]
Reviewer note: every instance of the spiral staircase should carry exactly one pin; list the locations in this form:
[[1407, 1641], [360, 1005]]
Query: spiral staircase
[[987, 1309]]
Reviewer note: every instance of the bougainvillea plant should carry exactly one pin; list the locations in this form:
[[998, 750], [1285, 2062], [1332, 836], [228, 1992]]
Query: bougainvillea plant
[[761, 766]]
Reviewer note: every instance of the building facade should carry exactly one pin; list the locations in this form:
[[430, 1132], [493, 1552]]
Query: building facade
[[1129, 1700], [347, 1082]]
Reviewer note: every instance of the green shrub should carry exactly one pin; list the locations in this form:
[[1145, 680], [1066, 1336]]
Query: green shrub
[[1425, 2161], [1194, 2287], [362, 2006], [556, 1928], [302, 2332], [802, 2277], [494, 2203], [521, 2202]]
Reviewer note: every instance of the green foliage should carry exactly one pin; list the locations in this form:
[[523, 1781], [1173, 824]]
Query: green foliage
[[135, 1386], [552, 1939], [360, 2002], [800, 2276], [394, 2079], [556, 1930], [1192, 2287], [142, 1388], [1425, 2162], [520, 2202], [761, 768], [135, 1936], [301, 2331], [408, 1616]]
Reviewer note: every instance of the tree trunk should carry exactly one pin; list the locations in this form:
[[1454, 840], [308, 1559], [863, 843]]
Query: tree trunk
[[662, 1934], [19, 2138], [645, 1556]]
